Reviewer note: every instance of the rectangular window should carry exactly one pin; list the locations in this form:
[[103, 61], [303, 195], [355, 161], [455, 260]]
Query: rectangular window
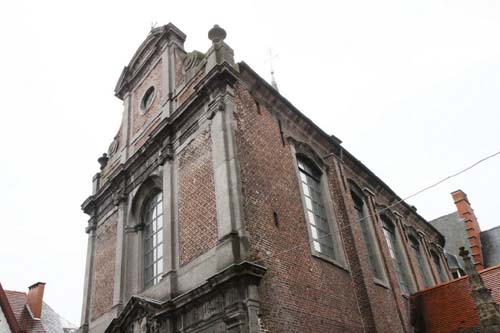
[[310, 181]]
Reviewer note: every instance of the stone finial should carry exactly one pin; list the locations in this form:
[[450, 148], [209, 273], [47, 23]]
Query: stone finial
[[103, 160], [216, 34]]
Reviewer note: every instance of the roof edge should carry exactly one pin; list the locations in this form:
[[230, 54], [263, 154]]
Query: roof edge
[[337, 142], [7, 310]]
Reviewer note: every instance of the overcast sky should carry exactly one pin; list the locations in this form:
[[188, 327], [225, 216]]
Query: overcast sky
[[410, 87]]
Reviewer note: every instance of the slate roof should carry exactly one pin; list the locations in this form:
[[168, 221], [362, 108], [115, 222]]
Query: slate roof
[[490, 241], [50, 321], [24, 318], [453, 229]]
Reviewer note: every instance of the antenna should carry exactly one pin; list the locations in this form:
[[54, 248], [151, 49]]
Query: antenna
[[270, 60]]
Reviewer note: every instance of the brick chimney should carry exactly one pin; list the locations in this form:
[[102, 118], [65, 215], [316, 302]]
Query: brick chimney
[[466, 212], [35, 299]]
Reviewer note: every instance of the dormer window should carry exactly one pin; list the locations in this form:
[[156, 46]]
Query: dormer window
[[147, 99]]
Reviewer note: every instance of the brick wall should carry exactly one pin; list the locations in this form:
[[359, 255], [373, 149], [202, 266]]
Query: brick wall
[[395, 305], [197, 211], [299, 293], [104, 267], [450, 307]]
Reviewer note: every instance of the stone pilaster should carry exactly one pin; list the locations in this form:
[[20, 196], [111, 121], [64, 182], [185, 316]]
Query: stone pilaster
[[121, 201], [232, 247], [169, 278], [89, 270], [227, 182], [176, 41]]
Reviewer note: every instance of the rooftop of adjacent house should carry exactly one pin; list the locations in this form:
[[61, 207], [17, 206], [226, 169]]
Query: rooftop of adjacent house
[[453, 229], [490, 242], [449, 307], [50, 321]]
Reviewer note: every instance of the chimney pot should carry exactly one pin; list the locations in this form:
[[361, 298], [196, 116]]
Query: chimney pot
[[35, 299]]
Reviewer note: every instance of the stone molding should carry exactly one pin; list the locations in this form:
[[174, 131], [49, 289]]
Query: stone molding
[[220, 301]]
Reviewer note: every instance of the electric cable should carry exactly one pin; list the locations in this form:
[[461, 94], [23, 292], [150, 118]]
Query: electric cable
[[385, 208]]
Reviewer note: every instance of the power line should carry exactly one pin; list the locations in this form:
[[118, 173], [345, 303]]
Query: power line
[[388, 207]]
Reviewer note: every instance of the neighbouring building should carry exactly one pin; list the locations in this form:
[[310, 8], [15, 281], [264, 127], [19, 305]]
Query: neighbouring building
[[461, 229], [27, 313], [464, 305], [220, 207]]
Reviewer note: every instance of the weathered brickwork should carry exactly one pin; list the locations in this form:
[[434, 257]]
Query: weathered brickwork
[[141, 117], [387, 316], [197, 212], [105, 247], [300, 293], [259, 245]]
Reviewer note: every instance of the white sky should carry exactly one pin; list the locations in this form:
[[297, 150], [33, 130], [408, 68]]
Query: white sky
[[411, 87]]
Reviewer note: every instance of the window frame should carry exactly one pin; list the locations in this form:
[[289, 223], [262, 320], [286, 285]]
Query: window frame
[[422, 268], [338, 248], [438, 264], [147, 204], [368, 233], [400, 263]]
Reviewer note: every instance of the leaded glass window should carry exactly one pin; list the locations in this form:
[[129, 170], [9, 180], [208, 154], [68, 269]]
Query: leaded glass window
[[310, 181], [394, 249], [364, 224], [153, 241], [420, 262], [437, 263]]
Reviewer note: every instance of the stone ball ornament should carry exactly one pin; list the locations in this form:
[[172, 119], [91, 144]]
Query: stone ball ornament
[[216, 34]]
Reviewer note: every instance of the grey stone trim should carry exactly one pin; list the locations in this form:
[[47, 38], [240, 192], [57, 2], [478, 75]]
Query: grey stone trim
[[228, 301], [228, 196], [149, 49], [89, 272], [169, 231], [120, 250]]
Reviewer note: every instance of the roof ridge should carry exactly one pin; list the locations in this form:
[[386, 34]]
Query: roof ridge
[[15, 291]]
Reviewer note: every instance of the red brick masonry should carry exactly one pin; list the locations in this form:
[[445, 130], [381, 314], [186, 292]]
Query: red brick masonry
[[450, 307]]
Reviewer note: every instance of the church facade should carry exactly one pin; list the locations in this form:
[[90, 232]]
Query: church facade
[[220, 207]]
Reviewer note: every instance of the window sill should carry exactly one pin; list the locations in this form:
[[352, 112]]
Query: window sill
[[381, 283], [330, 261]]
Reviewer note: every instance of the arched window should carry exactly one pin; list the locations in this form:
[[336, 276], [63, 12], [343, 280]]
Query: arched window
[[153, 240], [365, 224], [394, 249], [316, 213], [415, 245], [439, 267]]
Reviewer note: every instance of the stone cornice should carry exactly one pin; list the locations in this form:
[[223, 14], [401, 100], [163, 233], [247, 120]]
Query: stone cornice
[[150, 48]]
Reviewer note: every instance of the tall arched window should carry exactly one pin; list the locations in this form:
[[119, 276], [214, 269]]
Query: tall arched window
[[365, 224], [415, 245], [394, 249], [316, 214], [439, 267], [153, 240]]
